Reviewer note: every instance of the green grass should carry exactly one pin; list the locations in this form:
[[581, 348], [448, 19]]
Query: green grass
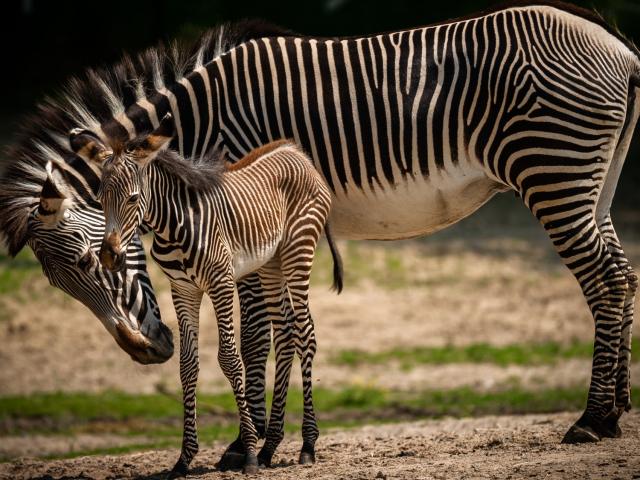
[[74, 411], [515, 354], [14, 271]]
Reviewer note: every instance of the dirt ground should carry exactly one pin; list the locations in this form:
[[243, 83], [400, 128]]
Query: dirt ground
[[483, 448]]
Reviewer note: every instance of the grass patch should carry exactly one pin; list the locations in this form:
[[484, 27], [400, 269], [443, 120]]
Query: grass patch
[[547, 353], [14, 271], [136, 413]]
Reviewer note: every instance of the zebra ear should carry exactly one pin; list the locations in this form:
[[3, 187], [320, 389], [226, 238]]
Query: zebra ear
[[148, 147], [53, 205], [88, 146]]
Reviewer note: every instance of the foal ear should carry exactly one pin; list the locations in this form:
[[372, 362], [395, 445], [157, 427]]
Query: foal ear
[[147, 148], [52, 199], [88, 146]]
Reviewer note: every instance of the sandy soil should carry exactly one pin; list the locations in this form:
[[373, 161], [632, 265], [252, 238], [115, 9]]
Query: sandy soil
[[488, 448]]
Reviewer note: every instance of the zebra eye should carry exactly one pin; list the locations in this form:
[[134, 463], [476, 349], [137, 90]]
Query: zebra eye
[[133, 198], [129, 150]]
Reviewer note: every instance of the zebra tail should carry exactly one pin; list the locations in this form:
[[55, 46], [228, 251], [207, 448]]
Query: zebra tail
[[337, 260]]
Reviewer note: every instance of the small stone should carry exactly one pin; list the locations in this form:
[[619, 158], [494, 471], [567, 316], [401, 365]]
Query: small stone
[[381, 475], [406, 453]]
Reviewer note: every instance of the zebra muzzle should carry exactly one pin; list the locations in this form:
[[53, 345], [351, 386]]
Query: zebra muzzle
[[111, 256], [142, 349]]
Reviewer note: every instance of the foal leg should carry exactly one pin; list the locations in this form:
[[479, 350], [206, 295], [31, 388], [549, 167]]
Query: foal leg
[[255, 343], [221, 294], [186, 301], [282, 321], [297, 270]]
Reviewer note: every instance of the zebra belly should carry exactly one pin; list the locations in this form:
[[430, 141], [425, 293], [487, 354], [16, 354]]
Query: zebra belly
[[245, 262], [410, 209]]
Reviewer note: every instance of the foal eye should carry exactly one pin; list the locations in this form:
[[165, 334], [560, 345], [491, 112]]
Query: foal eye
[[133, 198]]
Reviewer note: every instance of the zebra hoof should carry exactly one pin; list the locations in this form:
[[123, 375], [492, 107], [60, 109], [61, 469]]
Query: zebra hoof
[[264, 458], [581, 434], [250, 465], [307, 458], [179, 470], [609, 427], [231, 461]]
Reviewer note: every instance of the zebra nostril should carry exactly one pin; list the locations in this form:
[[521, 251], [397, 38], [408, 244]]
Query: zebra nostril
[[110, 258]]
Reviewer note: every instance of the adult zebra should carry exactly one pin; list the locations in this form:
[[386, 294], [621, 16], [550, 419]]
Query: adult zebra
[[400, 123], [414, 130]]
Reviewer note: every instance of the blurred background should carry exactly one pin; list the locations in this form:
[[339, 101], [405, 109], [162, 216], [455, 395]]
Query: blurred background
[[478, 319]]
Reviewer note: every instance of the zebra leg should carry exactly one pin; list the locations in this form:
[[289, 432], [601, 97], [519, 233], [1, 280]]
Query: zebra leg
[[310, 430], [584, 251], [603, 215], [623, 386], [297, 276], [282, 322], [187, 305], [255, 343], [229, 359]]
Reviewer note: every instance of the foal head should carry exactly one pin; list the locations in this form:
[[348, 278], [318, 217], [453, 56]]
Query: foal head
[[123, 190]]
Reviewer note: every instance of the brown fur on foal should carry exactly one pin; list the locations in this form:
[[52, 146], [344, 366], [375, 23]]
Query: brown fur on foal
[[256, 153]]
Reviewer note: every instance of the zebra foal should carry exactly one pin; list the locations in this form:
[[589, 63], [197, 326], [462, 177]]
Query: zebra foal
[[212, 227]]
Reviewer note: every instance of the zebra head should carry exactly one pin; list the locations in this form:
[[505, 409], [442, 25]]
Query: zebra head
[[63, 237], [122, 193]]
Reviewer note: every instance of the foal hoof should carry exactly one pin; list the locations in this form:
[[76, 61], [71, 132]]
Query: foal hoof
[[581, 434], [609, 427], [250, 465], [178, 471], [231, 461], [307, 458], [264, 458]]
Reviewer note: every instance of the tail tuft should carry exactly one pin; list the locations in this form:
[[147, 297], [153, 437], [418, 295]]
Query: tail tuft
[[337, 261]]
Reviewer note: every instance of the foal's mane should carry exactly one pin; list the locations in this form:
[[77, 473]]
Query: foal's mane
[[89, 100], [201, 174], [208, 172]]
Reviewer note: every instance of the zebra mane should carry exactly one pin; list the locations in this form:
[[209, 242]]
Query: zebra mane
[[201, 174], [86, 101]]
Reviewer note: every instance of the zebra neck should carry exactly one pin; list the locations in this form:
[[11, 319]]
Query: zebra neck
[[167, 208]]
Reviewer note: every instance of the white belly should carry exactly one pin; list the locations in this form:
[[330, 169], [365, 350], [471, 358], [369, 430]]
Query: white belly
[[245, 262], [412, 208]]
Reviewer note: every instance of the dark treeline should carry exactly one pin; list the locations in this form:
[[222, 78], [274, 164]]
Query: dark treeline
[[45, 41]]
